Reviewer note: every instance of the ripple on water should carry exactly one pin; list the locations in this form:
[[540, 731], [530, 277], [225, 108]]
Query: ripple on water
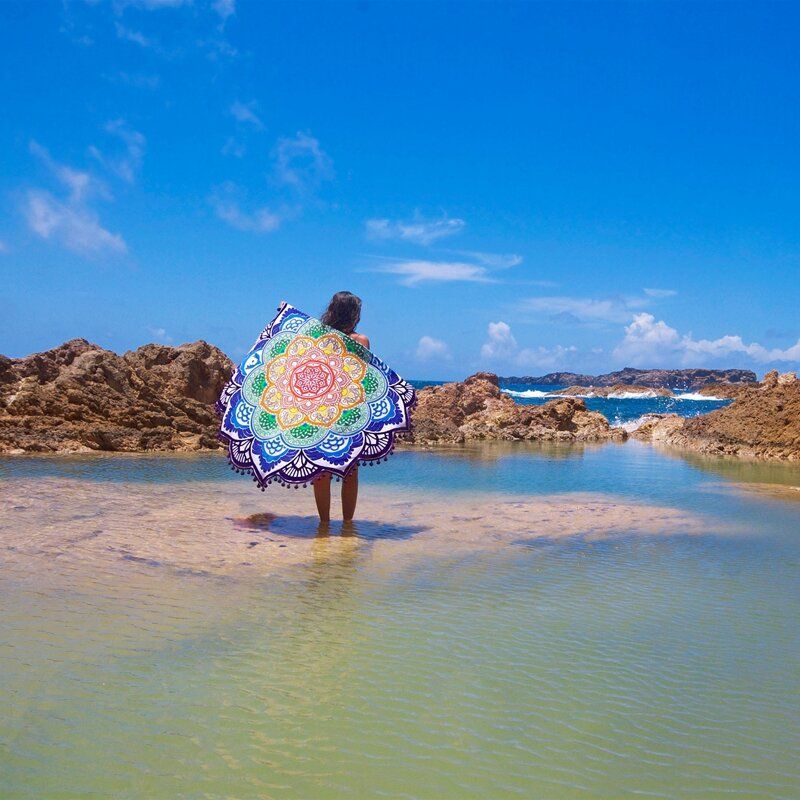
[[572, 645]]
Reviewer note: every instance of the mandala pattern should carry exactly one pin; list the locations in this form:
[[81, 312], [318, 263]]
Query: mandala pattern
[[307, 400]]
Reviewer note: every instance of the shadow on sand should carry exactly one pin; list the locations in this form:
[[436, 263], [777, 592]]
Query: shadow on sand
[[308, 527]]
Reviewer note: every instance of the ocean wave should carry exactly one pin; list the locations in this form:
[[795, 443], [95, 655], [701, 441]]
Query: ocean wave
[[630, 425], [699, 397], [527, 393], [691, 396], [632, 396]]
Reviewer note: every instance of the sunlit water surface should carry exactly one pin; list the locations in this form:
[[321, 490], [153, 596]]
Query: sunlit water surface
[[502, 622]]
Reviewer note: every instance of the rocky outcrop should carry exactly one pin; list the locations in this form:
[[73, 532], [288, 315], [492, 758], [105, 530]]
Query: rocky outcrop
[[80, 397], [762, 422], [684, 380], [617, 390], [476, 409]]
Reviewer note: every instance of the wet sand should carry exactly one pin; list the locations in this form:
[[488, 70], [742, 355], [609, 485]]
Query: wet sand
[[231, 529]]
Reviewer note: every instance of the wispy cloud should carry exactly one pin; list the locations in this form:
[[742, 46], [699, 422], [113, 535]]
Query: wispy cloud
[[246, 113], [412, 273], [431, 349], [127, 164], [617, 309], [501, 349], [227, 207], [233, 147], [69, 217], [652, 342], [579, 309], [224, 8], [481, 269], [301, 164], [160, 334], [136, 37], [79, 183], [494, 260], [69, 221], [153, 5], [417, 230]]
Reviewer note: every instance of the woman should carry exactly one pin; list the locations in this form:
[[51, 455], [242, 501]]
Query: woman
[[343, 313]]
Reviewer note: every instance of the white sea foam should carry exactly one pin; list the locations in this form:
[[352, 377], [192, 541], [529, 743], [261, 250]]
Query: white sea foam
[[700, 397], [527, 393], [632, 395], [632, 424], [649, 395]]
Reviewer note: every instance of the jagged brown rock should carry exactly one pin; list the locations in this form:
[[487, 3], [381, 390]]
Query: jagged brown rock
[[477, 409], [762, 422], [80, 397]]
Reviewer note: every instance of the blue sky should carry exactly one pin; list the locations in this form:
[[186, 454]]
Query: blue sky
[[516, 187]]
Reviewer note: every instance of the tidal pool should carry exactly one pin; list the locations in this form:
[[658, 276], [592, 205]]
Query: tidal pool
[[502, 621]]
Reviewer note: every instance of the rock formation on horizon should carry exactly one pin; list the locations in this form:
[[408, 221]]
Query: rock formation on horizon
[[79, 397], [684, 380], [763, 421], [477, 409]]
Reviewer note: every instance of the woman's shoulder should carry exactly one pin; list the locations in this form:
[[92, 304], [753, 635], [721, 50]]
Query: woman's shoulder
[[360, 338]]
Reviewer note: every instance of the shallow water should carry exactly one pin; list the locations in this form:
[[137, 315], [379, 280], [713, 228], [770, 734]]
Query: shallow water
[[503, 621]]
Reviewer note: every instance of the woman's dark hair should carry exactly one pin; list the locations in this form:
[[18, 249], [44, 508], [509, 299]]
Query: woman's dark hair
[[343, 312]]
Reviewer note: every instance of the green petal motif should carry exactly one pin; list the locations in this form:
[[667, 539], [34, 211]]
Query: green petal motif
[[375, 385], [254, 385], [265, 425]]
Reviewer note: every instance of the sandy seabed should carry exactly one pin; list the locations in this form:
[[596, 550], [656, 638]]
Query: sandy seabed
[[230, 529]]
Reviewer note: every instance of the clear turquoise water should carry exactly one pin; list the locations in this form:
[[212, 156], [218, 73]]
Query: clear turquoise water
[[662, 666]]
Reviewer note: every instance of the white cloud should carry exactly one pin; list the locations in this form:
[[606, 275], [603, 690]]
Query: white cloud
[[154, 5], [80, 184], [590, 310], [228, 208], [160, 335], [137, 37], [3, 247], [260, 220], [501, 348], [653, 343], [225, 8], [660, 292], [69, 222], [501, 344], [430, 349], [495, 260], [579, 309], [246, 113], [301, 163], [417, 230], [415, 272], [128, 164]]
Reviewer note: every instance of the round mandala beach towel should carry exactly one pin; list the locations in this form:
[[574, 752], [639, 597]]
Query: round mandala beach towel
[[308, 400]]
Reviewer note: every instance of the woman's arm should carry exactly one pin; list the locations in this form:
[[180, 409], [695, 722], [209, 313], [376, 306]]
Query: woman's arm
[[361, 339]]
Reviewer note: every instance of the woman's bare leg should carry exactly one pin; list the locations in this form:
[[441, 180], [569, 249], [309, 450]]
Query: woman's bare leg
[[322, 497], [350, 495]]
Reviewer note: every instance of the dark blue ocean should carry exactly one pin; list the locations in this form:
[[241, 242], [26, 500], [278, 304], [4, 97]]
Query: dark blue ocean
[[624, 409]]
